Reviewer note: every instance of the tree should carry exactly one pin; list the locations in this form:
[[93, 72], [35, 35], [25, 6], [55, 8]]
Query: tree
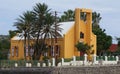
[[118, 45], [96, 19], [83, 47], [23, 26], [118, 41], [12, 33], [38, 24], [40, 10], [44, 27], [68, 15], [4, 46], [103, 40]]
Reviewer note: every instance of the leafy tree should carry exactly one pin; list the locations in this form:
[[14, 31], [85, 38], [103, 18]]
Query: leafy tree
[[4, 47], [118, 46], [103, 40], [83, 47], [12, 33], [118, 41]]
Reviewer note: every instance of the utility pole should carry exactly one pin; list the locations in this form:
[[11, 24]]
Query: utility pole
[[55, 27], [56, 45]]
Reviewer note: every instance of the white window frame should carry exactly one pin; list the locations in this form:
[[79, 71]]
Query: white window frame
[[12, 51], [26, 51]]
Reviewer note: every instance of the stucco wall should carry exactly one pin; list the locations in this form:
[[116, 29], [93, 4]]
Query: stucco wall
[[19, 44], [69, 43]]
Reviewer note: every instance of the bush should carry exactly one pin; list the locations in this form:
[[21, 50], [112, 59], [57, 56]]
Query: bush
[[78, 58], [67, 59]]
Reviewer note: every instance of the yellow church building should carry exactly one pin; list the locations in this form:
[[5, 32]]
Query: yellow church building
[[73, 31]]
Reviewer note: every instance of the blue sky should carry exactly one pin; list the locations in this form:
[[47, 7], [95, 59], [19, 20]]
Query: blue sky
[[109, 10]]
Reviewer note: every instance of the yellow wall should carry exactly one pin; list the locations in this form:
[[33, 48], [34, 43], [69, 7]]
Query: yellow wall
[[93, 42], [69, 43], [19, 44], [86, 28], [60, 42], [73, 35]]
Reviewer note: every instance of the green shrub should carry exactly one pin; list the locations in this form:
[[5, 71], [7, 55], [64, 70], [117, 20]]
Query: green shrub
[[78, 58], [67, 59]]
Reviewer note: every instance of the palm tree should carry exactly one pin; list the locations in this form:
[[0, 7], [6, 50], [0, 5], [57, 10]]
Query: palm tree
[[40, 10], [44, 27], [96, 19], [67, 16], [23, 25]]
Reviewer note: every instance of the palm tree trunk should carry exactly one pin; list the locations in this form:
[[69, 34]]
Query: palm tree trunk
[[29, 46], [25, 46], [41, 48]]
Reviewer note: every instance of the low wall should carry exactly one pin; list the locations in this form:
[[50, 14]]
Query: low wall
[[111, 69]]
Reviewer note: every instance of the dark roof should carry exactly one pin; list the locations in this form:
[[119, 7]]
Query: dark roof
[[113, 47]]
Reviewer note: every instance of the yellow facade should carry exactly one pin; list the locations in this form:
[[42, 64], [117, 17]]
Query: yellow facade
[[69, 39]]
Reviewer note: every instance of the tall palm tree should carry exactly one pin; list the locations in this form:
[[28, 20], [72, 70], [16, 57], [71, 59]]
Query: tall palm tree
[[23, 25], [40, 10], [44, 27], [48, 30]]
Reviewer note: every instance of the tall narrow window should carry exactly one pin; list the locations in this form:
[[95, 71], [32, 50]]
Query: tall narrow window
[[26, 51], [52, 51], [16, 51], [46, 54], [12, 52], [49, 51], [31, 51], [81, 35], [58, 50]]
